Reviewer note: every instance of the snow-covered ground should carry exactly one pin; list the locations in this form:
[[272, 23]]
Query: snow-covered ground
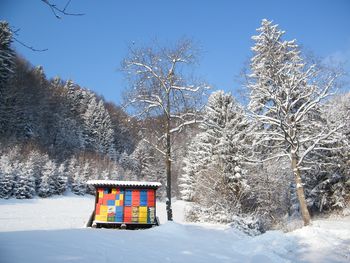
[[51, 230]]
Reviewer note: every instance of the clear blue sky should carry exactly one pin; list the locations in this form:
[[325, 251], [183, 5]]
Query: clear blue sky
[[88, 49]]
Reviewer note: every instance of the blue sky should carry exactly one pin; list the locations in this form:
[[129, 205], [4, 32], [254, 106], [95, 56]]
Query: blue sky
[[88, 49]]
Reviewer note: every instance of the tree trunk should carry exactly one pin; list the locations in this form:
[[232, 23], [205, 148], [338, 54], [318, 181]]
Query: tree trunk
[[168, 179], [168, 163], [300, 191]]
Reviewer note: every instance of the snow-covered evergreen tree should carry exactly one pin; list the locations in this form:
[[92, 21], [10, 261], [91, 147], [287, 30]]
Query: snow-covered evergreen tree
[[7, 66], [80, 177], [98, 128], [6, 53], [25, 183], [196, 159], [48, 181], [39, 160], [77, 182], [71, 169], [214, 176], [7, 176], [62, 179]]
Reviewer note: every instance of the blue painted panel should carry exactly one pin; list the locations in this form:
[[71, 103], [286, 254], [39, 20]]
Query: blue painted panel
[[111, 202], [127, 202], [119, 209], [118, 219]]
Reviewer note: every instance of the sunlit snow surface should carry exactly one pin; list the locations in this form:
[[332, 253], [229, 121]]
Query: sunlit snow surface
[[51, 230]]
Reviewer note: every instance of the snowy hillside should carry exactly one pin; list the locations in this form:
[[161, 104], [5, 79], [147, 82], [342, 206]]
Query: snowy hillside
[[51, 230]]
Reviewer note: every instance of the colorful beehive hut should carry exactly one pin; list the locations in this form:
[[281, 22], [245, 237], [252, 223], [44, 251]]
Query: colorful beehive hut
[[126, 203]]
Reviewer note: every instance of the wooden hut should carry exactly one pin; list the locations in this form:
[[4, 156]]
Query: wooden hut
[[124, 203]]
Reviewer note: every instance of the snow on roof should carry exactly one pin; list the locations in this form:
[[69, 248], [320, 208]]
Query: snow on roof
[[123, 183]]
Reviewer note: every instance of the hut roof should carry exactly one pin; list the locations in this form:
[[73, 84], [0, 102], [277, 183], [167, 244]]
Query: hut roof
[[114, 183]]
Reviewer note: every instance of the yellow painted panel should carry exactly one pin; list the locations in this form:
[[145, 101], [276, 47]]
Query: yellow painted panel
[[143, 214], [103, 209], [100, 194], [117, 203], [121, 197], [101, 218], [114, 191], [143, 209], [142, 219]]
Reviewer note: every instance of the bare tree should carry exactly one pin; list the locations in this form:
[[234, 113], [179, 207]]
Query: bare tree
[[285, 97], [160, 88]]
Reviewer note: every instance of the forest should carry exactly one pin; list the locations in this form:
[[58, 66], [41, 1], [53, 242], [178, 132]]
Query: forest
[[280, 153]]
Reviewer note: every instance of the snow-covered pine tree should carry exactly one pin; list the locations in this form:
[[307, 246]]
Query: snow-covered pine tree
[[7, 66], [230, 150], [99, 135], [7, 176], [62, 179], [221, 185], [80, 177], [6, 53], [77, 181], [39, 160], [48, 180], [25, 183], [284, 94], [71, 169], [196, 159], [214, 162], [202, 148], [78, 99]]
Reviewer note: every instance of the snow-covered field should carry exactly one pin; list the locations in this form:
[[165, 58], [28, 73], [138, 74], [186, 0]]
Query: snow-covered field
[[51, 230]]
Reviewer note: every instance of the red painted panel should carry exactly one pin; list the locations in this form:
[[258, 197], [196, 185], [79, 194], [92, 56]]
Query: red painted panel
[[135, 194], [135, 202], [151, 203], [127, 214], [150, 194], [109, 196], [98, 209]]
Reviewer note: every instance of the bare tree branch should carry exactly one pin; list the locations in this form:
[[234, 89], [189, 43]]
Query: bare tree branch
[[63, 11], [29, 47]]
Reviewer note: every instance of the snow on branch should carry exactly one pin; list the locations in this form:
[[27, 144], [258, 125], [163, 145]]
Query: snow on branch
[[182, 125], [317, 141]]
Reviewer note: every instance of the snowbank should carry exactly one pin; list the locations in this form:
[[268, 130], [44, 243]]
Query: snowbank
[[59, 212], [50, 230]]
